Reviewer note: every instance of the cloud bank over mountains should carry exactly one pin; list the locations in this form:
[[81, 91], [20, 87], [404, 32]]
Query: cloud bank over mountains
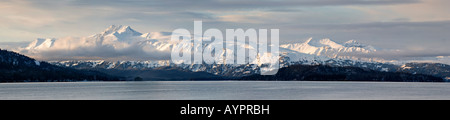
[[116, 42]]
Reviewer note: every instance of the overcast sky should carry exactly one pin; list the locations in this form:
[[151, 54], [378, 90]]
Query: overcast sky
[[421, 26]]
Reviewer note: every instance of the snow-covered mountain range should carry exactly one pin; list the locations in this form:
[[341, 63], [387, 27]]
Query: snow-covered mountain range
[[122, 48], [329, 48], [117, 42]]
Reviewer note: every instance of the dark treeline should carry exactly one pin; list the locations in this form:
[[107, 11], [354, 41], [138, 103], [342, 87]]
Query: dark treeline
[[15, 67], [327, 73]]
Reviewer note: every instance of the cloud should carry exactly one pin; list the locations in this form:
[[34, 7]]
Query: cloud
[[391, 54], [102, 53], [88, 48], [413, 39], [426, 10], [12, 45], [230, 4]]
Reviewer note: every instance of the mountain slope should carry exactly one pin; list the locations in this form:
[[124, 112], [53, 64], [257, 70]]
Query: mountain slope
[[15, 67], [435, 69]]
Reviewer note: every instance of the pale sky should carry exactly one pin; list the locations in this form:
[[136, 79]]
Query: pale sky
[[421, 26]]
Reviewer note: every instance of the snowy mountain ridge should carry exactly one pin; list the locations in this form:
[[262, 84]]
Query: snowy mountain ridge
[[329, 48]]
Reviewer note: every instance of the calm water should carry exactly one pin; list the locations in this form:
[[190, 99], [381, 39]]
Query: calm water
[[224, 90]]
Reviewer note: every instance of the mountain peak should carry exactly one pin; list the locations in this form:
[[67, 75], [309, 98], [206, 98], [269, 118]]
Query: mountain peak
[[353, 43], [322, 43], [41, 43], [120, 29], [309, 40]]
